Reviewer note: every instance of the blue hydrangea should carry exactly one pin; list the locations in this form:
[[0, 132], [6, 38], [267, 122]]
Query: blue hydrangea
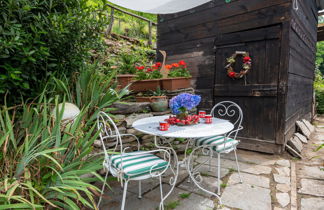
[[184, 101]]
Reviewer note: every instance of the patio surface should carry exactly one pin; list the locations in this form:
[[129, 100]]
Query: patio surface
[[270, 182]]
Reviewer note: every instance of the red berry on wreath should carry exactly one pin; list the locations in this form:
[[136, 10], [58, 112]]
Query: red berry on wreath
[[231, 74], [246, 59]]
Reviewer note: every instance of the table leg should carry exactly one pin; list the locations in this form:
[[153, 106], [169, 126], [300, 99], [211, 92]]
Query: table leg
[[195, 175]]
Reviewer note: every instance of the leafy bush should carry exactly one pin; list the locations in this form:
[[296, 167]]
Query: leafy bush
[[90, 88], [38, 37], [44, 164]]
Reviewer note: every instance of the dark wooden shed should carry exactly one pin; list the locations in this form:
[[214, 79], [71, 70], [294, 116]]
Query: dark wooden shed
[[281, 39]]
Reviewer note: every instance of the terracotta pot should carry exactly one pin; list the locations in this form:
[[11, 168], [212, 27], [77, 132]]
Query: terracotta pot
[[149, 98], [124, 79], [175, 83], [145, 85]]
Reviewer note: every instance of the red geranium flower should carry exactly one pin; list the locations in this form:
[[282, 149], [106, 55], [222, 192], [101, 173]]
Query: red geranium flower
[[158, 64], [231, 74], [182, 63], [140, 67], [168, 66], [149, 70], [246, 59], [175, 65]]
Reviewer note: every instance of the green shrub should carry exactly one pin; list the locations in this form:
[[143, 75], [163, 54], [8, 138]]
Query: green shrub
[[38, 37], [320, 101]]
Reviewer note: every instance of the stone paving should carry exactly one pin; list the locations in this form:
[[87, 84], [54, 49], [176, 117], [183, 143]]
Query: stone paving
[[270, 182]]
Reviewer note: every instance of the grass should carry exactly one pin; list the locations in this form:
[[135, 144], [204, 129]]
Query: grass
[[172, 205], [223, 185], [231, 170], [184, 195]]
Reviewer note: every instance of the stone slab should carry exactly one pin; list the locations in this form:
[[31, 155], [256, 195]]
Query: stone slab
[[281, 179], [296, 144], [196, 202], [283, 199], [283, 162], [133, 117], [247, 197], [310, 127], [301, 137], [130, 107], [252, 157], [283, 188], [314, 172], [283, 171], [245, 167], [250, 179], [312, 187], [302, 127], [312, 204], [208, 183]]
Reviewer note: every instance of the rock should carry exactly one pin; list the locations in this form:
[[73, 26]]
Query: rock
[[312, 203], [301, 137], [70, 112], [283, 171], [128, 139], [285, 163], [97, 143], [296, 144], [310, 127], [130, 107], [283, 188], [134, 132], [122, 130], [119, 119], [293, 152], [133, 117], [145, 137], [250, 179], [302, 127], [312, 187], [281, 179], [283, 199], [246, 197]]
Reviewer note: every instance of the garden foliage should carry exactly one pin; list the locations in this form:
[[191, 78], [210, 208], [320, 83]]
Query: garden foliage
[[45, 163], [41, 37]]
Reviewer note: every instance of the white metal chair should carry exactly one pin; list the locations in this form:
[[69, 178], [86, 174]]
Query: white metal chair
[[222, 144], [127, 166]]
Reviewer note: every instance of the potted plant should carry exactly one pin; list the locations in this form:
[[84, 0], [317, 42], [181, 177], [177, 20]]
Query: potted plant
[[158, 100], [180, 105], [178, 77], [147, 78], [127, 69]]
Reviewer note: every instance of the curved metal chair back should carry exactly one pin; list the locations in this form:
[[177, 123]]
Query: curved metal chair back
[[229, 110], [108, 129]]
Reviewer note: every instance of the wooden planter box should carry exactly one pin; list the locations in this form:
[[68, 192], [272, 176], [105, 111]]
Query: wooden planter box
[[145, 85], [175, 83], [124, 79]]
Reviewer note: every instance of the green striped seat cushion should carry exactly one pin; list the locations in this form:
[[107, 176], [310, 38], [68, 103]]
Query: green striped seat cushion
[[218, 143], [136, 164]]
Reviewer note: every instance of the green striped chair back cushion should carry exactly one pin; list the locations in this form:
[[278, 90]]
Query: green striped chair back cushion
[[135, 164]]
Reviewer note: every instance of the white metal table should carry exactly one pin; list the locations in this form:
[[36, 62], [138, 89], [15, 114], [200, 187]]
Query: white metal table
[[150, 126]]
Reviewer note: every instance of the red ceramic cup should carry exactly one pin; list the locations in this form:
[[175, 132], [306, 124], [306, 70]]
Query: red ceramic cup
[[164, 126], [208, 119], [202, 114]]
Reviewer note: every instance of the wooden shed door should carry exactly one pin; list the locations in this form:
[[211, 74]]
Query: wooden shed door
[[258, 95]]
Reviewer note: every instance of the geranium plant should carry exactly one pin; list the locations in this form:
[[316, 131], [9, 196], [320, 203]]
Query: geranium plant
[[178, 69], [148, 72]]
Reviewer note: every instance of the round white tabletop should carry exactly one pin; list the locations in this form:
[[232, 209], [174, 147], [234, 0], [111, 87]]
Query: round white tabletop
[[150, 126]]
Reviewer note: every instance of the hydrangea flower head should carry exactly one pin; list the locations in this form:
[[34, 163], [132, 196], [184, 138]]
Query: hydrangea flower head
[[184, 101]]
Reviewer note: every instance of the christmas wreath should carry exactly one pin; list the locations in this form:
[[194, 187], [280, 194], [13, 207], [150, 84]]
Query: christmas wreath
[[247, 63]]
